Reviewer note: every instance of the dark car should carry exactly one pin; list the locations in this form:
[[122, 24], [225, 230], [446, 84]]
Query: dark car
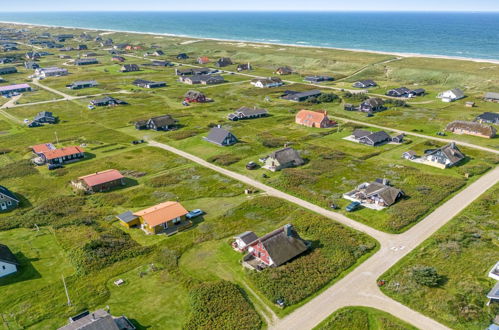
[[352, 206], [251, 166], [137, 141]]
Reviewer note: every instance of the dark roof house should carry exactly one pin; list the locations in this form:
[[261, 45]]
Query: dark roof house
[[282, 158], [159, 123], [8, 201], [247, 113], [446, 156], [221, 137]]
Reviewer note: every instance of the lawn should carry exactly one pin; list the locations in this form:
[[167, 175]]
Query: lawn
[[362, 318], [462, 253]]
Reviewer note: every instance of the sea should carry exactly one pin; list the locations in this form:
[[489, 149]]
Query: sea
[[464, 35]]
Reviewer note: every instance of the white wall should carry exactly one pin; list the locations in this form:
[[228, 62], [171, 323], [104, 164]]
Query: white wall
[[6, 268]]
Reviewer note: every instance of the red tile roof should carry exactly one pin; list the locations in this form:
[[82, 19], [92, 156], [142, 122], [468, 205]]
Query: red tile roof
[[101, 177], [62, 152], [41, 148], [162, 213]]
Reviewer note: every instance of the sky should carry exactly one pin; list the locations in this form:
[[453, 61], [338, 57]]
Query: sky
[[251, 5]]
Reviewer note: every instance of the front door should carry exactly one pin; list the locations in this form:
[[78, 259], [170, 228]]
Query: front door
[[3, 206]]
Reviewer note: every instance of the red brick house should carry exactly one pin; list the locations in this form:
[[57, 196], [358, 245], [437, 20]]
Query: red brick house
[[48, 154], [274, 249], [311, 118], [203, 60]]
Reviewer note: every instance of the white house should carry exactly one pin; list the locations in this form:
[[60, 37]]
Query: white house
[[8, 261], [494, 272], [50, 72], [242, 241], [267, 82], [451, 95]]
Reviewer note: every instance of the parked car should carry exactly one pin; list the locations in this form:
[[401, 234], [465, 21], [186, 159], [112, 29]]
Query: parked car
[[280, 303], [251, 166], [352, 206], [137, 141], [194, 213]]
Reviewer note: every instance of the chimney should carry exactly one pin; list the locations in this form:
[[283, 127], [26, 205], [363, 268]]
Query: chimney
[[219, 126], [93, 316], [288, 229]]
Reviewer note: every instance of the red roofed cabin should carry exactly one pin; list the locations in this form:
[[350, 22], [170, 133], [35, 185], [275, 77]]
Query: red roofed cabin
[[274, 249], [313, 119], [99, 181], [167, 217], [50, 155], [203, 60]]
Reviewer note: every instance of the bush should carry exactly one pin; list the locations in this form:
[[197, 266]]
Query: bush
[[17, 169], [181, 135], [221, 305], [225, 159], [472, 170], [327, 98], [165, 180], [426, 276], [355, 96]]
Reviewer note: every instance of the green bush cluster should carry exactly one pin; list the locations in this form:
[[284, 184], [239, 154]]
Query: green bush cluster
[[183, 134], [224, 159], [17, 169], [165, 180], [221, 305]]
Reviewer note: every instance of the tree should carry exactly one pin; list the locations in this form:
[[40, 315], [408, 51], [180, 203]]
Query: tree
[[327, 97], [426, 275]]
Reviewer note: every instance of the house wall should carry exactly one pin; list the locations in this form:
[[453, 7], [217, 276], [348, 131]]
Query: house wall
[[259, 252], [467, 132], [107, 185], [7, 268], [131, 224]]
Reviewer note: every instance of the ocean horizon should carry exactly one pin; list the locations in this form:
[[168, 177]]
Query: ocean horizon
[[453, 34]]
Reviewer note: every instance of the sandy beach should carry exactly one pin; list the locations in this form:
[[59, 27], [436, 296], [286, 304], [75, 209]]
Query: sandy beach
[[260, 44]]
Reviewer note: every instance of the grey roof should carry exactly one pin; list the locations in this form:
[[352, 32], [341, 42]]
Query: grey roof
[[217, 135], [489, 116], [358, 133], [378, 137], [367, 82], [7, 256], [247, 237], [6, 192], [98, 320], [494, 293], [85, 82], [44, 114], [127, 216], [387, 193], [492, 95], [252, 111], [287, 155], [301, 95], [458, 92], [165, 120], [451, 151], [282, 247], [193, 94], [374, 102]]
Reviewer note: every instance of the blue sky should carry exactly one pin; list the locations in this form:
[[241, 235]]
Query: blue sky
[[251, 5]]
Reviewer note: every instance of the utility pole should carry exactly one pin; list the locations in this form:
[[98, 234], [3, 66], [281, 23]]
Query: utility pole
[[66, 289], [56, 138]]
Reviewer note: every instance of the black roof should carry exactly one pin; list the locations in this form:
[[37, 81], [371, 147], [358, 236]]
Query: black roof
[[165, 120], [489, 116], [6, 192], [378, 137], [7, 256], [127, 216], [218, 135]]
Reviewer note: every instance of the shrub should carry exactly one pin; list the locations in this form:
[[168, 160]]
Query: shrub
[[181, 135], [327, 97], [355, 96], [165, 180], [224, 159], [221, 305], [17, 169], [472, 170], [426, 275]]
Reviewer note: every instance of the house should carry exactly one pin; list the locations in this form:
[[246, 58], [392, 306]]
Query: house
[[8, 261], [64, 155], [371, 139], [202, 79], [284, 70], [85, 61], [158, 52], [203, 60], [242, 241], [117, 58], [195, 96], [281, 159], [160, 123], [493, 295], [161, 63], [451, 95], [377, 194], [107, 101], [491, 97], [372, 104], [471, 128], [316, 119], [267, 82], [274, 249], [182, 56], [221, 137], [82, 47], [31, 65], [14, 89], [244, 67], [8, 201], [192, 71], [130, 68], [8, 70], [167, 217], [45, 117], [64, 57], [398, 138], [99, 181], [32, 56], [318, 79], [300, 96], [82, 84], [488, 117], [98, 320], [223, 62], [399, 92], [148, 84], [494, 272], [6, 60], [444, 157], [350, 107], [364, 84], [409, 155], [51, 72], [247, 113], [469, 104]]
